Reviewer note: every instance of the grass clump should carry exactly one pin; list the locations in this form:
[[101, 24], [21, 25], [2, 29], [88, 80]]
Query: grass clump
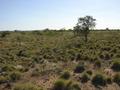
[[85, 77], [116, 66], [99, 80], [65, 85], [97, 63], [116, 79], [14, 76], [59, 85], [35, 73], [26, 86], [65, 75], [79, 68], [3, 79], [89, 72]]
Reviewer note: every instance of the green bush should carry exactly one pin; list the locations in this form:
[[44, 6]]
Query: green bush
[[79, 68], [72, 86], [109, 80], [35, 73], [75, 87], [26, 86], [116, 79], [14, 76], [3, 79], [99, 80], [59, 85], [89, 72], [7, 68], [116, 66], [65, 75], [85, 77], [65, 85], [97, 64]]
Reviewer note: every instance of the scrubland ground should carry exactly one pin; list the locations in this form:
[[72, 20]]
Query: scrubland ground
[[58, 60]]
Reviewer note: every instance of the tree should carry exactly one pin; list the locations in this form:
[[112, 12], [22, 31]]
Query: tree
[[84, 25]]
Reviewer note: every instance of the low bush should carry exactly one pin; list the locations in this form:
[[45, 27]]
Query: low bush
[[97, 64], [26, 86], [116, 66], [75, 87], [35, 73], [14, 76], [3, 79], [99, 80], [116, 79], [109, 80], [59, 85], [79, 68], [65, 75], [7, 68], [85, 77], [65, 85], [89, 72]]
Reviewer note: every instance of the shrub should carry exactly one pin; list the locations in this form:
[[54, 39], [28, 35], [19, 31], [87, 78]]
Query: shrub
[[116, 66], [7, 68], [116, 79], [107, 56], [85, 78], [72, 86], [4, 34], [14, 76], [35, 72], [3, 79], [59, 85], [26, 86], [79, 68], [89, 72], [75, 87], [65, 85], [66, 75], [99, 80], [108, 80], [98, 64], [79, 56]]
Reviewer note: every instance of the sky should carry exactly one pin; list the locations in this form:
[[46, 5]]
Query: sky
[[57, 14]]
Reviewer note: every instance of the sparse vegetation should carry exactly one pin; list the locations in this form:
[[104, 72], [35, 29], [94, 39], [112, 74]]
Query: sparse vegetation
[[26, 86], [116, 66], [79, 68], [116, 79], [54, 55], [65, 75], [99, 80]]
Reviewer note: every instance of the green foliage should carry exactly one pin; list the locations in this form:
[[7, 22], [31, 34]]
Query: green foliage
[[65, 75], [14, 76], [35, 73], [4, 34], [97, 63], [109, 80], [65, 85], [89, 72], [59, 85], [3, 79], [7, 67], [116, 79], [75, 87], [84, 25], [85, 77], [116, 66], [79, 68], [26, 86], [99, 80]]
